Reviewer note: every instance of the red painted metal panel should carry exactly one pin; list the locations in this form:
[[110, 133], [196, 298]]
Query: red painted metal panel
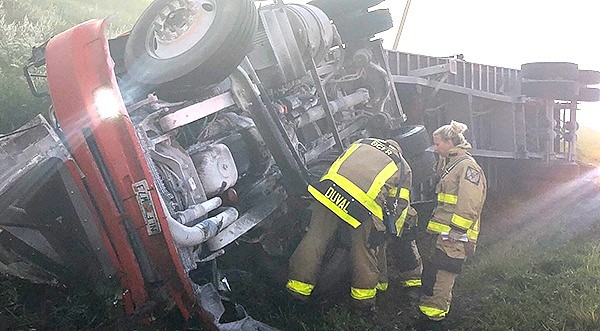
[[78, 66]]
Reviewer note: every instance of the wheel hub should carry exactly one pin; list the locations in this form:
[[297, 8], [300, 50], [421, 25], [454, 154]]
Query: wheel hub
[[179, 26]]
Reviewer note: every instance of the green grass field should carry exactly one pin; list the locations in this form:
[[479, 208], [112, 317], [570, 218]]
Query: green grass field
[[588, 146]]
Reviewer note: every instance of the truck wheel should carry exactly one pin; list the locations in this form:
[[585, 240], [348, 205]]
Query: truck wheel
[[550, 71], [550, 89], [413, 139], [338, 8], [589, 77], [422, 167], [365, 25], [588, 94], [203, 39], [317, 168]]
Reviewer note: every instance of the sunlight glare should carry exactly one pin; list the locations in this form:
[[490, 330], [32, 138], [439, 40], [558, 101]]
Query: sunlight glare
[[106, 103]]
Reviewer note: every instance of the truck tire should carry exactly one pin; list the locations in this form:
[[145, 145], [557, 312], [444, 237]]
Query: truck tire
[[204, 44], [339, 8], [364, 26], [550, 89], [318, 167], [413, 139], [588, 94], [589, 77], [550, 71], [422, 167]]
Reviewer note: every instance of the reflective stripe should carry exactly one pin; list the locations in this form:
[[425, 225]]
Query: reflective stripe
[[356, 192], [366, 199], [438, 227], [404, 193], [382, 286], [362, 294], [472, 234], [333, 207], [400, 222], [433, 313], [299, 287], [461, 222], [450, 199], [338, 163], [412, 283], [388, 171]]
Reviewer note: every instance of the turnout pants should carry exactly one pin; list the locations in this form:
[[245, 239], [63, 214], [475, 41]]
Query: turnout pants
[[307, 258], [411, 265], [404, 256], [408, 260], [442, 263]]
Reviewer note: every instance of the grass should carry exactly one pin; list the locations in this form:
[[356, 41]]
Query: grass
[[28, 23], [539, 263], [24, 305], [537, 267], [541, 281], [588, 146], [533, 287]]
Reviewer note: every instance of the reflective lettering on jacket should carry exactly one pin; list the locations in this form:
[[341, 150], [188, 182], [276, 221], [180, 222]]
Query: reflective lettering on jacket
[[345, 198], [337, 199]]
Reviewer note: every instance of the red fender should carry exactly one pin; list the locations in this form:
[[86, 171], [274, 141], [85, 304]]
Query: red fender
[[110, 156]]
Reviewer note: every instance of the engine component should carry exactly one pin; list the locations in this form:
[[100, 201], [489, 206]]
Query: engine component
[[360, 96], [312, 29], [187, 236], [288, 37], [199, 210], [216, 168]]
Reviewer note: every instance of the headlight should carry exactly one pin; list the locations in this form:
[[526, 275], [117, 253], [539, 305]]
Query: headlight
[[107, 103]]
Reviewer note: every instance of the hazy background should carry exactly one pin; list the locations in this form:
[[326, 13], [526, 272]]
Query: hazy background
[[504, 33]]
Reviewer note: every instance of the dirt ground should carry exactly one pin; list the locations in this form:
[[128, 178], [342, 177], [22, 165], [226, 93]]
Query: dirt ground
[[529, 212]]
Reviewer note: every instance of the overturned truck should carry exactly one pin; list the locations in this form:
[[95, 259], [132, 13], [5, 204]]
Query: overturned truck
[[204, 124]]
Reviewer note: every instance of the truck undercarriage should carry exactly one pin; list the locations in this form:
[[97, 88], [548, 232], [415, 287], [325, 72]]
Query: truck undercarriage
[[203, 126]]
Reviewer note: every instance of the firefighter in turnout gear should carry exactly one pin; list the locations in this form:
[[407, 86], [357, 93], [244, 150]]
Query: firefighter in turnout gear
[[405, 256], [453, 228], [367, 190]]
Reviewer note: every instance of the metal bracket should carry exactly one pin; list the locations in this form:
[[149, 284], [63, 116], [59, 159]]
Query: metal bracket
[[450, 67]]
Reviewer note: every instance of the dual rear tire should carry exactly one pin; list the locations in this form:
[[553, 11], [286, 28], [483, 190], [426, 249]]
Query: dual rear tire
[[559, 80]]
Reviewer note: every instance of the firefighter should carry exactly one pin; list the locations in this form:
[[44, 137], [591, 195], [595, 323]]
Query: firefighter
[[453, 229], [406, 257], [366, 190]]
